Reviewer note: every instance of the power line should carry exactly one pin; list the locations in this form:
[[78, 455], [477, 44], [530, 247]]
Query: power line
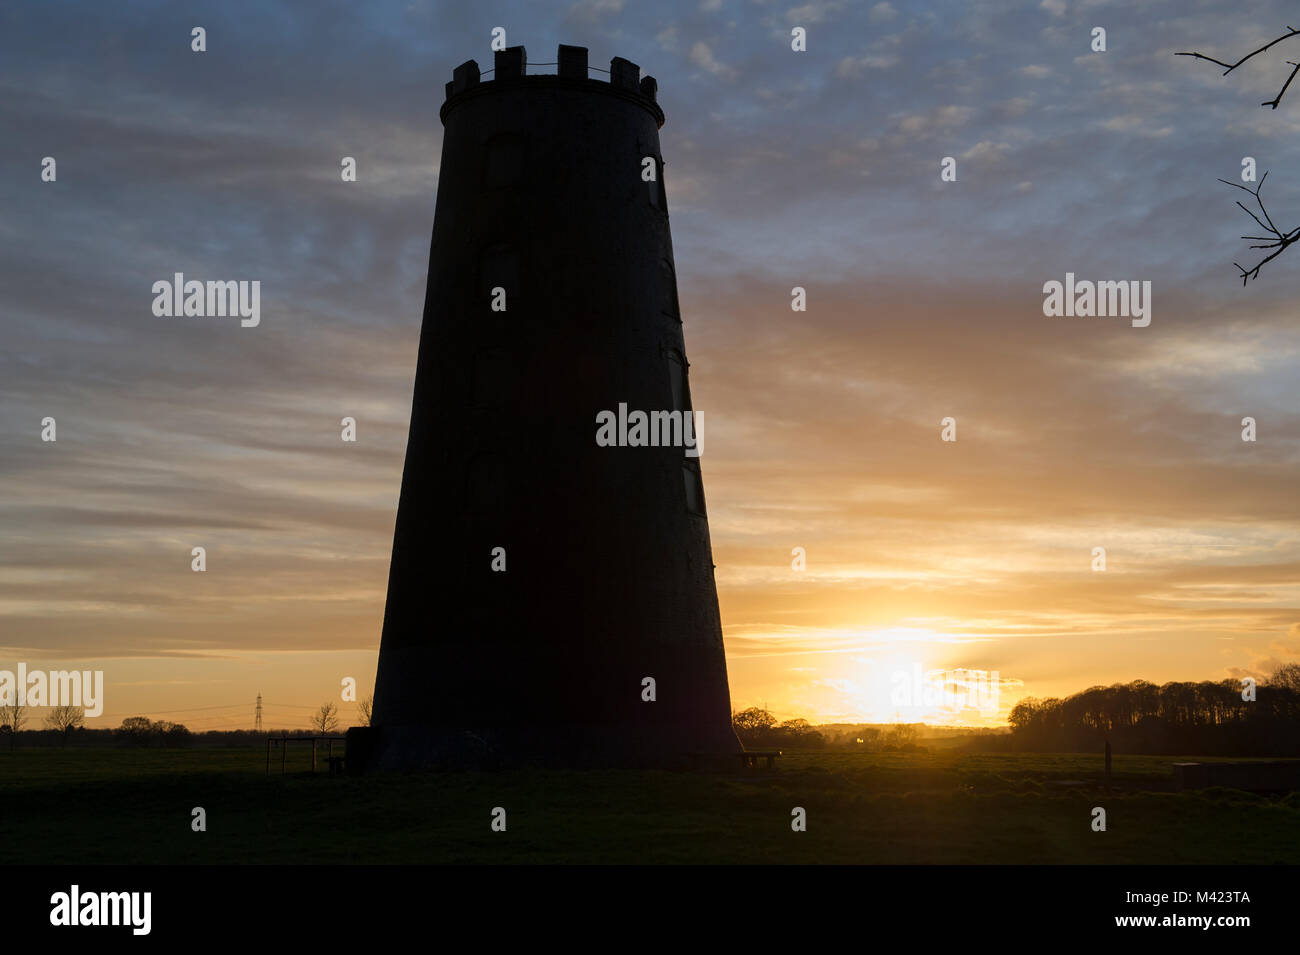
[[198, 709], [296, 706], [191, 709], [220, 717]]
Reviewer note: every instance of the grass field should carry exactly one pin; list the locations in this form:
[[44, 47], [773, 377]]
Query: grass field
[[134, 806]]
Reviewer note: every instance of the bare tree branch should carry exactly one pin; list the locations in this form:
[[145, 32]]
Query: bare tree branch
[[12, 718], [1273, 102], [326, 719], [1276, 238], [1229, 67]]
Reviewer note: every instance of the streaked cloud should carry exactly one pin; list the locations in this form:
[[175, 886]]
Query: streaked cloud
[[818, 169]]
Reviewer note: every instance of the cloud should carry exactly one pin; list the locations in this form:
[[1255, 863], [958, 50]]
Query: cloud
[[985, 153], [592, 11], [702, 56], [941, 118], [813, 12], [882, 13], [1136, 124], [853, 66], [924, 302]]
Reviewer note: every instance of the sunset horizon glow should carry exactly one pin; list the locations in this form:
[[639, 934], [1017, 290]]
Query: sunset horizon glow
[[925, 302]]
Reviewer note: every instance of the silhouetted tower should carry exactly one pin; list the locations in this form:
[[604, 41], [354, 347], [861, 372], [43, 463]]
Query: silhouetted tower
[[257, 720], [551, 298]]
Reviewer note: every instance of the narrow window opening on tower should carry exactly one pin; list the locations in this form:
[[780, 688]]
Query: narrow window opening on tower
[[486, 478], [658, 193], [680, 392], [505, 161], [668, 293], [656, 186], [680, 388], [492, 382], [499, 269], [694, 488]]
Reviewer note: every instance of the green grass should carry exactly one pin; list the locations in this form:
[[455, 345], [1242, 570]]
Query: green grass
[[134, 806]]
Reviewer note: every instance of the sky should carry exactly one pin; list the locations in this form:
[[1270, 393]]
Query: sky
[[818, 169]]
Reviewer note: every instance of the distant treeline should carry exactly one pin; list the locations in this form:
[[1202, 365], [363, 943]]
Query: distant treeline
[[144, 732], [1206, 718], [1209, 719], [759, 729]]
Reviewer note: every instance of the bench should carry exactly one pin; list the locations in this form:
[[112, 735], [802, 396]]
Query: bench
[[336, 765], [749, 758]]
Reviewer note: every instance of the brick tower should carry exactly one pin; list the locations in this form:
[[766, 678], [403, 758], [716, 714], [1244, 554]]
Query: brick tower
[[540, 576]]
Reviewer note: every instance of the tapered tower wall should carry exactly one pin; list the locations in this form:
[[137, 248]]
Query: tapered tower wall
[[542, 205]]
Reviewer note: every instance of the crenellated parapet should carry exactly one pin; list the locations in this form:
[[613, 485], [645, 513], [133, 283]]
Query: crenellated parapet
[[510, 70]]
